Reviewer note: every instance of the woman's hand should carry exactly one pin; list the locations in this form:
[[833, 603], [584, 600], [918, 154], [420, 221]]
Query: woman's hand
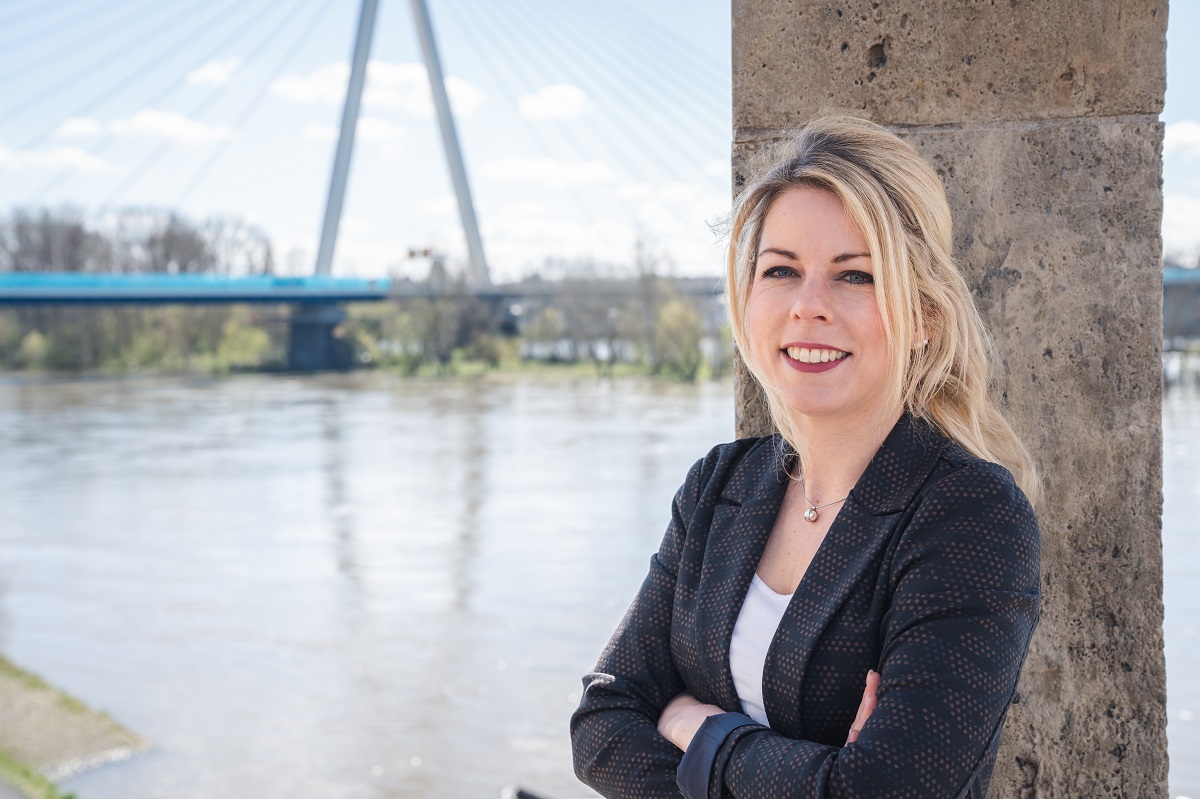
[[865, 707], [682, 716]]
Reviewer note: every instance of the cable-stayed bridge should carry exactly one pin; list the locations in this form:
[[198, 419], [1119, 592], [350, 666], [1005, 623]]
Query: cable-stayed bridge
[[609, 56], [607, 114]]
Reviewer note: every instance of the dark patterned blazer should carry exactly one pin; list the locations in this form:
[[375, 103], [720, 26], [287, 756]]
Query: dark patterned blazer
[[929, 574]]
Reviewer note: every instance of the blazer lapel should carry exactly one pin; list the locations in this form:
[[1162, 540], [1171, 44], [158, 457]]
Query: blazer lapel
[[752, 497], [856, 538]]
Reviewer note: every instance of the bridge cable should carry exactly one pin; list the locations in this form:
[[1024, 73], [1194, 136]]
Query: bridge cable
[[655, 35], [241, 29], [552, 44], [25, 37], [666, 71], [132, 77], [466, 27], [664, 109], [514, 36], [73, 47], [633, 157], [549, 45], [505, 34], [252, 106]]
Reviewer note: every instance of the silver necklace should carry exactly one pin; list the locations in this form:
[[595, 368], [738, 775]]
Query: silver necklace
[[811, 515]]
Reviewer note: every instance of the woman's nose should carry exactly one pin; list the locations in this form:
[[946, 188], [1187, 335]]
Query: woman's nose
[[811, 300]]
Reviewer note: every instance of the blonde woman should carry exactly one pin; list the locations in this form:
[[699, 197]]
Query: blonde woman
[[842, 609]]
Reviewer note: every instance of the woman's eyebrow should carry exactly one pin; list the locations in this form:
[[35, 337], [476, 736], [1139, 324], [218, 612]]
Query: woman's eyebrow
[[791, 256], [846, 256]]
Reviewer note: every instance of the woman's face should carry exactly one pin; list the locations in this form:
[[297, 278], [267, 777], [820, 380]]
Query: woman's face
[[814, 327]]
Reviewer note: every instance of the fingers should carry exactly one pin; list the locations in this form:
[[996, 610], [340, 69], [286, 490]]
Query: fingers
[[866, 706]]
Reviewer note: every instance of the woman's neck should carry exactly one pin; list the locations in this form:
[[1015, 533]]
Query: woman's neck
[[832, 458]]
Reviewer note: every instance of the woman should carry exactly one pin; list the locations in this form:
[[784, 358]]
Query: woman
[[882, 539]]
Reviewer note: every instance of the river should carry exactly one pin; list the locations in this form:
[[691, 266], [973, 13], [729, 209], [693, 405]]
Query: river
[[358, 586]]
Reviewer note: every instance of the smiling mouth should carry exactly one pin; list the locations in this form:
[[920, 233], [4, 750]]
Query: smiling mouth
[[806, 355]]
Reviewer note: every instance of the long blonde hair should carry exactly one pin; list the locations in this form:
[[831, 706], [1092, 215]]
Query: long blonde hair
[[899, 205]]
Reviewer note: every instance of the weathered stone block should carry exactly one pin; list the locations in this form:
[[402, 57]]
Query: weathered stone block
[[1057, 229], [925, 62]]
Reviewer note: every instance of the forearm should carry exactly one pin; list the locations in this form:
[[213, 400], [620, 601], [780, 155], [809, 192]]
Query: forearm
[[620, 755], [934, 732]]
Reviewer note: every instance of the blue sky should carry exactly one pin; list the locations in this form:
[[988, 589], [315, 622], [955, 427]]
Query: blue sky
[[1181, 148], [585, 125]]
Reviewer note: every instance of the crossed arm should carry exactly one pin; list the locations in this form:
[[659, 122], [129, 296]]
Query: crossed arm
[[964, 591], [684, 714]]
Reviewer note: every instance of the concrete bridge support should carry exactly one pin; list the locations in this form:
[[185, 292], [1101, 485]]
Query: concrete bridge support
[[1042, 119], [312, 345]]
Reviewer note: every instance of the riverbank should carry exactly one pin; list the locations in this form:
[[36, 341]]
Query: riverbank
[[49, 735]]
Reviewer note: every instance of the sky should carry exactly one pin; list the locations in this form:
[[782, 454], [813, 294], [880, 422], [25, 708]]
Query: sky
[[1181, 143], [586, 127]]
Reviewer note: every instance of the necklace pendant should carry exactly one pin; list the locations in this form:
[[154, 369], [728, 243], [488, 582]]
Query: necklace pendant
[[810, 515]]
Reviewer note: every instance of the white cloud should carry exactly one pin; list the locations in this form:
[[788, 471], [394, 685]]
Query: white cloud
[[319, 132], [214, 73], [446, 204], [325, 84], [548, 171], [406, 87], [558, 101], [375, 129], [1181, 223], [719, 169], [1182, 136], [169, 125], [522, 234], [402, 86], [78, 127], [465, 97], [70, 158], [352, 226]]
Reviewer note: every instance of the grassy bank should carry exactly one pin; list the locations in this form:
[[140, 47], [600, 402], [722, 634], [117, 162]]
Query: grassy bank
[[46, 731], [28, 781]]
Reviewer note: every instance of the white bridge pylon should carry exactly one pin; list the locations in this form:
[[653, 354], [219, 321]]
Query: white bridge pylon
[[477, 275]]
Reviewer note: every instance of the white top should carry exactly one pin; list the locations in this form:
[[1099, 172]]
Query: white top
[[761, 613]]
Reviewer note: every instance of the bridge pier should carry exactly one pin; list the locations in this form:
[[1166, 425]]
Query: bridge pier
[[312, 343]]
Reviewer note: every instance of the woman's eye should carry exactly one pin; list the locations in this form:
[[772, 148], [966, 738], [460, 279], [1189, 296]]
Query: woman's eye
[[779, 271], [858, 278]]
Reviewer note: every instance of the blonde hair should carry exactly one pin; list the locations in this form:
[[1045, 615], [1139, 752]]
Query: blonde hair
[[899, 205]]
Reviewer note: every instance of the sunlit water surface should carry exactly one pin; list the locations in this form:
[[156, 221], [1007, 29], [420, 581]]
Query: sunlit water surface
[[365, 587]]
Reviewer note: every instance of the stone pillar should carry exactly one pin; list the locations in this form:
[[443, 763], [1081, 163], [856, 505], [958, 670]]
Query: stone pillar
[[1042, 119]]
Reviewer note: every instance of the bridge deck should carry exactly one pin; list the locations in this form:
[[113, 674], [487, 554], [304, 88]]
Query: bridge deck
[[76, 288]]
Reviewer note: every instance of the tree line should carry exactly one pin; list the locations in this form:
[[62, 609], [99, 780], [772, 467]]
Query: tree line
[[606, 317]]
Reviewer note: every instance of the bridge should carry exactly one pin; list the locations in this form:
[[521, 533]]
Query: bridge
[[76, 288], [315, 298], [316, 315]]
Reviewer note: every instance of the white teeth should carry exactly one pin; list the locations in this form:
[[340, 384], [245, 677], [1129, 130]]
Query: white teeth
[[805, 355]]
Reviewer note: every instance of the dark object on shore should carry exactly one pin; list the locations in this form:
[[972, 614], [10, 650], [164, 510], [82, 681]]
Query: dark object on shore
[[517, 792]]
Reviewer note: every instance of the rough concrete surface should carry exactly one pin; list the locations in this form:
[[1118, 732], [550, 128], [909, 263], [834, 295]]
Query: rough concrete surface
[[53, 733], [1057, 208], [923, 62]]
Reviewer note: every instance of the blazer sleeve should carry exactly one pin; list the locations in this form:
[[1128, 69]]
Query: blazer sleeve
[[965, 589], [614, 737]]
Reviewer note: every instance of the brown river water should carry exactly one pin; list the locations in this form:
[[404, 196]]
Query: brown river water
[[359, 586]]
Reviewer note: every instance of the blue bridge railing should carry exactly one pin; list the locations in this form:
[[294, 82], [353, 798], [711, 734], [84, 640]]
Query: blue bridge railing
[[84, 288]]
